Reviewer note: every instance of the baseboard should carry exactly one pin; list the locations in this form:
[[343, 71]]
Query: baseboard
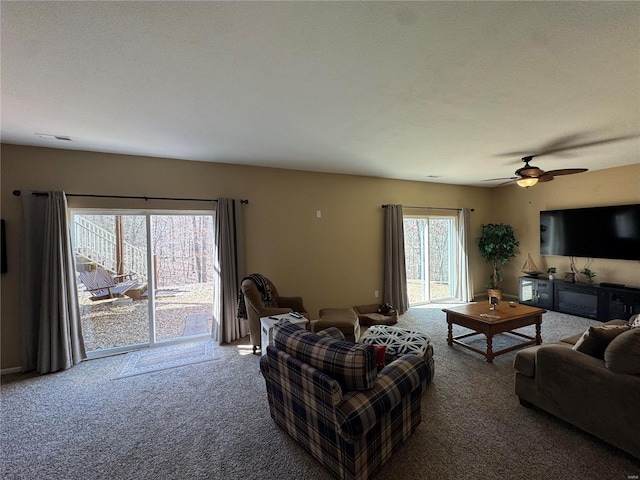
[[7, 371]]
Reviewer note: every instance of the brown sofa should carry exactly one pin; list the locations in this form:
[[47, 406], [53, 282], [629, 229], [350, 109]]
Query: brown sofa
[[598, 392]]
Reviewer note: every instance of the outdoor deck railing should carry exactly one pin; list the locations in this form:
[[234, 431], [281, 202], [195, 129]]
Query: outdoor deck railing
[[98, 246]]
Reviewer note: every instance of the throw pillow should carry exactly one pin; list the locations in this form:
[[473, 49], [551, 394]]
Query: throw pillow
[[623, 353], [634, 322], [595, 340]]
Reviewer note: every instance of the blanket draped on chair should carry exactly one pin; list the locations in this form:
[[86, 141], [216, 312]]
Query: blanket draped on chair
[[263, 287]]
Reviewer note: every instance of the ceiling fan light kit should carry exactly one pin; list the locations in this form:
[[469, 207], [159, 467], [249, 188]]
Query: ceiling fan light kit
[[527, 182]]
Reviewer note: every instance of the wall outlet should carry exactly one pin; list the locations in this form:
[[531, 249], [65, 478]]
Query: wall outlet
[[376, 294], [318, 214]]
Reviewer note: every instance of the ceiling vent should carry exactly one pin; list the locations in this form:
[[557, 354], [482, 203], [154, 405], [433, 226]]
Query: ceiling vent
[[48, 136]]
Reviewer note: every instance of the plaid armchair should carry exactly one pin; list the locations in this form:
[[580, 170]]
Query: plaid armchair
[[328, 395]]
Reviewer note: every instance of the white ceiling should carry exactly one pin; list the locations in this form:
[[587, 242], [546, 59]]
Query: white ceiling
[[427, 91]]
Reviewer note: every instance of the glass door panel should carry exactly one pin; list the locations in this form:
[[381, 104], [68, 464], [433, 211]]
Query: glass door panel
[[415, 250], [111, 260], [183, 275], [441, 256], [429, 256]]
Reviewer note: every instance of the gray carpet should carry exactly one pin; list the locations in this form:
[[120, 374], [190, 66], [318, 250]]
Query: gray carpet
[[210, 421]]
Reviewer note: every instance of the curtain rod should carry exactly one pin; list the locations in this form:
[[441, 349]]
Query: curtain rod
[[17, 194], [431, 208]]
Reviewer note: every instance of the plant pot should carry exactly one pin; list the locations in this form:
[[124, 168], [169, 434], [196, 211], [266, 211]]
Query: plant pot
[[494, 292]]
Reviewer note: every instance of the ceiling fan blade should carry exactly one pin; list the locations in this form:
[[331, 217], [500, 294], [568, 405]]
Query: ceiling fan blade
[[555, 144], [548, 176], [545, 177], [593, 143], [507, 183], [503, 178], [568, 142], [565, 171], [565, 141]]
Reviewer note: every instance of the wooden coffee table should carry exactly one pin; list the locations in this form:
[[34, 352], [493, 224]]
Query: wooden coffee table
[[506, 318]]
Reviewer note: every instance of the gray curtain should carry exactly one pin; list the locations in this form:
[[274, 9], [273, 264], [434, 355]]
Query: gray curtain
[[395, 272], [32, 234], [51, 333], [464, 282], [230, 270]]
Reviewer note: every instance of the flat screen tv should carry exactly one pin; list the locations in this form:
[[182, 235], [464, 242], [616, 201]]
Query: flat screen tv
[[597, 232]]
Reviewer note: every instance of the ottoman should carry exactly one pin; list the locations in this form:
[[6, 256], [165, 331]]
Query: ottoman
[[344, 319], [370, 315], [399, 342]]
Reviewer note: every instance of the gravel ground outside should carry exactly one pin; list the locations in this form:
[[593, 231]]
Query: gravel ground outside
[[119, 322], [437, 290]]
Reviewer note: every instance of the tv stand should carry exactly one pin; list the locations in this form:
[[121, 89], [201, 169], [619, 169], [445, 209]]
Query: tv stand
[[601, 302], [579, 299]]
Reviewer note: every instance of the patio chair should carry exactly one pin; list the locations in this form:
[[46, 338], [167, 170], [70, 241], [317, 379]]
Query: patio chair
[[100, 284]]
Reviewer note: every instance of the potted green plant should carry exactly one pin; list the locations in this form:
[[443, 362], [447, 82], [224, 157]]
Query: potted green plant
[[497, 245], [589, 274], [551, 271]]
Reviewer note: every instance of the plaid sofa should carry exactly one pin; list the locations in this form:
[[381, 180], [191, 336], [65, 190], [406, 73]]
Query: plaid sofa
[[328, 395]]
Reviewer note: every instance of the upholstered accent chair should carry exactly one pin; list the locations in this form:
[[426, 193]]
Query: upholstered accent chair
[[328, 394], [257, 308]]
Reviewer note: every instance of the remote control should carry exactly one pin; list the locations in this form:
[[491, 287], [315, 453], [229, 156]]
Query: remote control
[[296, 315]]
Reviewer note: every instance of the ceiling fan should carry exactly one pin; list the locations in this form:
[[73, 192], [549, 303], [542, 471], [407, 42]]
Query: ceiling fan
[[529, 175]]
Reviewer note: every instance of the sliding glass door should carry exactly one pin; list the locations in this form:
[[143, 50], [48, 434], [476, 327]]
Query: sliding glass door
[[430, 257], [143, 278], [111, 261], [183, 275]]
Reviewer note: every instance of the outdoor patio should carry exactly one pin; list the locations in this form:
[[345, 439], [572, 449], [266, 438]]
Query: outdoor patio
[[180, 311], [437, 290]]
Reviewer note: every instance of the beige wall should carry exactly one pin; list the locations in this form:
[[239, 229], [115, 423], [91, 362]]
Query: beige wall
[[521, 208], [335, 260]]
